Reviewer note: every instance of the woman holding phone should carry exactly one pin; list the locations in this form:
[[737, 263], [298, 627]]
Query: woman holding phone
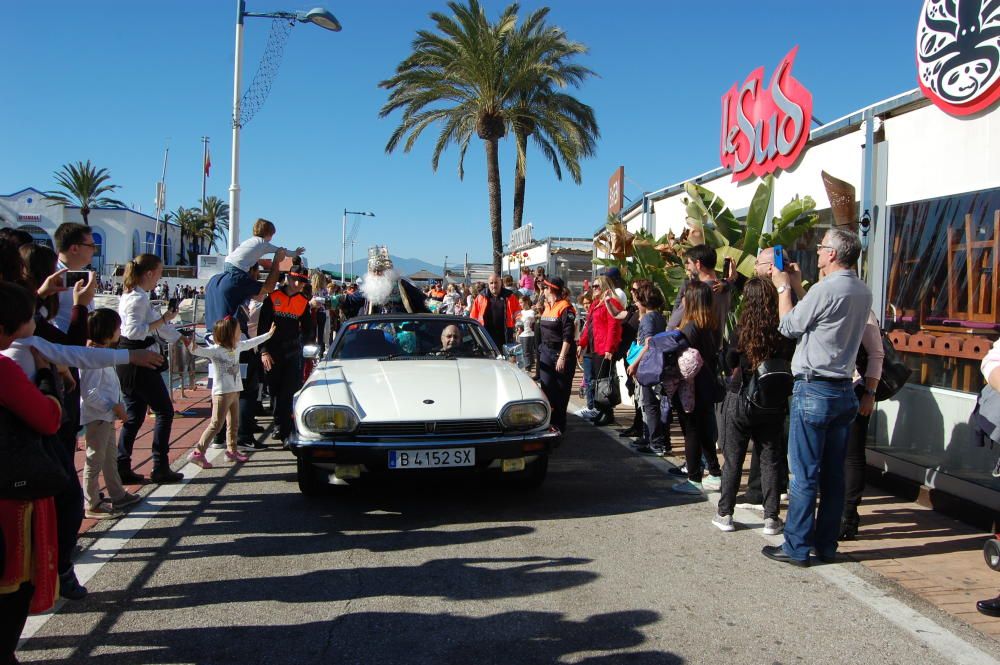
[[144, 388]]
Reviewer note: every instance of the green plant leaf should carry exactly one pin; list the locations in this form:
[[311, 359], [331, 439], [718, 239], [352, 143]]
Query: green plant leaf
[[757, 215], [793, 210]]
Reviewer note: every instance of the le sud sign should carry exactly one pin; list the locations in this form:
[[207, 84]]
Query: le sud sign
[[958, 54], [764, 129]]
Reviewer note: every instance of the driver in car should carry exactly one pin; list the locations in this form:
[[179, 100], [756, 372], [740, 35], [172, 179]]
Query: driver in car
[[451, 341]]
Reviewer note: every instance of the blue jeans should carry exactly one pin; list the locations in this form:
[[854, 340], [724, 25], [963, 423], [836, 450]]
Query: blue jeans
[[819, 427], [589, 380]]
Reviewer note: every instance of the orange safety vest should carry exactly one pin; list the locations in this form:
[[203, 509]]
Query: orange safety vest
[[479, 305], [555, 310]]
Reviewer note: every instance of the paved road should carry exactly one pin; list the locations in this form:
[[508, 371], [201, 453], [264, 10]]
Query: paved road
[[603, 565]]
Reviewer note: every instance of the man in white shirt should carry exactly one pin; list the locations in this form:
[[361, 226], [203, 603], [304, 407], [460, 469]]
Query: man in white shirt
[[75, 243]]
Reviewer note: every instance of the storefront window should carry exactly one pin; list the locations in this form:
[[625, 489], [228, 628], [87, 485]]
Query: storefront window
[[942, 296]]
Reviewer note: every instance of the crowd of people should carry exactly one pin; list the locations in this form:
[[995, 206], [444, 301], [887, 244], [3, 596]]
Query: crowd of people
[[792, 357]]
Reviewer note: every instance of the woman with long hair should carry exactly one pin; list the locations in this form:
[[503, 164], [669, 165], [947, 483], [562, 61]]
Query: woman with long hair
[[758, 340], [598, 343], [144, 388], [701, 329], [654, 439]]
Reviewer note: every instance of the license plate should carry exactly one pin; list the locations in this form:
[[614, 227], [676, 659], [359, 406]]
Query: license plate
[[431, 459]]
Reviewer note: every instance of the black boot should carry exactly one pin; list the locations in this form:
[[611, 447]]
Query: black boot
[[849, 527]]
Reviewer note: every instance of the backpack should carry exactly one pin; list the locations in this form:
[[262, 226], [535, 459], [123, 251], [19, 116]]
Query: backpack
[[766, 390]]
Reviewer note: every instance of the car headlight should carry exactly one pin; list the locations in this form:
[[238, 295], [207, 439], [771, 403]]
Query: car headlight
[[330, 419], [524, 415]]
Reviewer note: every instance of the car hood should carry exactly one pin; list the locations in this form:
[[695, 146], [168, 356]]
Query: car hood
[[403, 390]]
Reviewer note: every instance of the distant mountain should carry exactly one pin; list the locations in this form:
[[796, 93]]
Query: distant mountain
[[404, 266]]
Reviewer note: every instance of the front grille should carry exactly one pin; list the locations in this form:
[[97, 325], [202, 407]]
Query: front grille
[[440, 428]]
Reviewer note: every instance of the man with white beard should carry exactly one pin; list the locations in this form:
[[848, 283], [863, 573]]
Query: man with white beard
[[383, 291]]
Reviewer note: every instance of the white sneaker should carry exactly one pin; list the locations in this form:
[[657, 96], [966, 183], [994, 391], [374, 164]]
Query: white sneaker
[[772, 526], [688, 487], [783, 497], [712, 483], [586, 414], [724, 522]]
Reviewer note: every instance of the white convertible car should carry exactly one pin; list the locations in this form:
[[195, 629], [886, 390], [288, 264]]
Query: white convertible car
[[418, 394]]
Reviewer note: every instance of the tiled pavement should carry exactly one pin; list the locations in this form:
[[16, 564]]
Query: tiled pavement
[[929, 555]]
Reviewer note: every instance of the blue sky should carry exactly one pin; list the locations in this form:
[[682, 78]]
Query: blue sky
[[112, 81]]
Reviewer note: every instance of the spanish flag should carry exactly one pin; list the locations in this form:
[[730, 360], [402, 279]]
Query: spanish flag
[[208, 161]]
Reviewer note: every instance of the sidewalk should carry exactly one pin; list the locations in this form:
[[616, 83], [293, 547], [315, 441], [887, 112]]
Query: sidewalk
[[185, 433], [934, 557]]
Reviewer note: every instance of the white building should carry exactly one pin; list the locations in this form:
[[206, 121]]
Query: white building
[[119, 233], [930, 181], [568, 258]]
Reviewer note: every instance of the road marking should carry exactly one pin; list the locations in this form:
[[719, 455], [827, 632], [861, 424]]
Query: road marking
[[108, 543], [922, 628]]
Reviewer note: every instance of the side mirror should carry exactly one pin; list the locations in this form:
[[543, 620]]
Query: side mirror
[[310, 352], [513, 352]]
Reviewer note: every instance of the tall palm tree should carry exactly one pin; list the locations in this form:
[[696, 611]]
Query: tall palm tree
[[462, 76], [191, 225], [84, 185], [563, 128], [217, 215]]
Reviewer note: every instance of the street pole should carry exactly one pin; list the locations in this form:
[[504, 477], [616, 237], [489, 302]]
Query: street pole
[[204, 176], [234, 187], [343, 248], [353, 242], [444, 272]]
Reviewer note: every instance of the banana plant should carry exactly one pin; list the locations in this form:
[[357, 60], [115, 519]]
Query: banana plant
[[708, 217]]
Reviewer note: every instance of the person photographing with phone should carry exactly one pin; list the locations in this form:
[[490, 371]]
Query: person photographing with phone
[[76, 247]]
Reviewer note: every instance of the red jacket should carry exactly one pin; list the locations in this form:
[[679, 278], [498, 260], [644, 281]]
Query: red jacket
[[605, 329]]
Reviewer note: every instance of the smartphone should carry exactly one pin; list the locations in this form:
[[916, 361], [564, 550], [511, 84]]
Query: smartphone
[[74, 276], [727, 268], [173, 305], [779, 258]]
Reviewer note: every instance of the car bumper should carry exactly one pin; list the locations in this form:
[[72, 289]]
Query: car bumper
[[373, 455]]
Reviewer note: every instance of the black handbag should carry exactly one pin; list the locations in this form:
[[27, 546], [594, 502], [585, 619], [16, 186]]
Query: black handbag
[[607, 391], [894, 373], [31, 466]]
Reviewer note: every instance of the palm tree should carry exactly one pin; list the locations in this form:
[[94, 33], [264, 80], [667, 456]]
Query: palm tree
[[462, 76], [563, 128], [84, 185], [190, 223], [217, 215]]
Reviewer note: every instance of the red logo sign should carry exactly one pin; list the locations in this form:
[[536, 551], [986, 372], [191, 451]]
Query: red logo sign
[[764, 129], [958, 54]]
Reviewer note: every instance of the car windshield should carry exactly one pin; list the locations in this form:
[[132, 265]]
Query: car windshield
[[401, 339]]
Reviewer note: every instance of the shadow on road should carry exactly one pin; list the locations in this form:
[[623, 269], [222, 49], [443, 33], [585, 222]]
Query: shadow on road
[[523, 637]]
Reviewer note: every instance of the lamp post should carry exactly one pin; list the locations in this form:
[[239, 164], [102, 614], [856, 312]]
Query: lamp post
[[316, 16], [343, 240]]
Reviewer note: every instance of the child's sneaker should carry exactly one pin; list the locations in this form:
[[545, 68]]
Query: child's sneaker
[[102, 511], [236, 456], [197, 458]]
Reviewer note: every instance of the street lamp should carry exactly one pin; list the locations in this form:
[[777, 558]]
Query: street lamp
[[316, 16], [343, 240]]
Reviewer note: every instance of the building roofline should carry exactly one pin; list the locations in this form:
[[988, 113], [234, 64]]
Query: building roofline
[[910, 100], [75, 207]]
